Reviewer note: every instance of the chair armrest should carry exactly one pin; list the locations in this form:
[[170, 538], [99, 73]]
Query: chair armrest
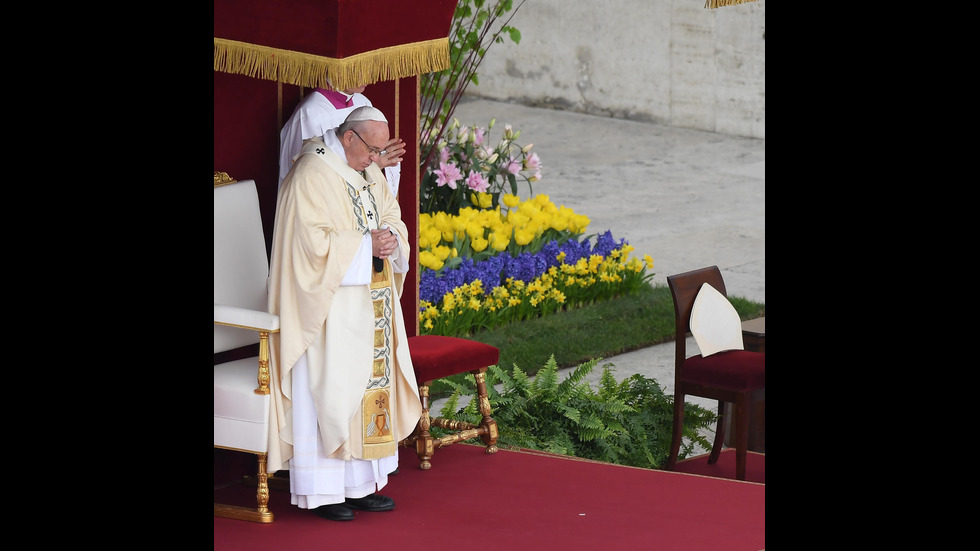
[[245, 318]]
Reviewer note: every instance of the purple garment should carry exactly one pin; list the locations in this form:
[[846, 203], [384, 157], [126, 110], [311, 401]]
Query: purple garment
[[337, 99]]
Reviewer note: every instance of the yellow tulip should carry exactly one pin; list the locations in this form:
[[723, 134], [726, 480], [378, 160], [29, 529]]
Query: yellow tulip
[[517, 218], [474, 230], [499, 241], [429, 260], [442, 252], [523, 237], [485, 200], [479, 244], [559, 223]]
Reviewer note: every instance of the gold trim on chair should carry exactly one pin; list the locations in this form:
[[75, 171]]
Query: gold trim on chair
[[222, 178], [259, 514]]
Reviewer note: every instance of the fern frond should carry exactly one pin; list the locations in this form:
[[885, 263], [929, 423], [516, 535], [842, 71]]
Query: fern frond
[[576, 377], [449, 408], [571, 413], [546, 381]]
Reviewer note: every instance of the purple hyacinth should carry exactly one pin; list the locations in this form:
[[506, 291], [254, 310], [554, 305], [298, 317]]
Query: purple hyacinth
[[495, 270]]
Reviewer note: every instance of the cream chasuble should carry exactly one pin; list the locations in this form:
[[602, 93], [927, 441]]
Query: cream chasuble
[[359, 368]]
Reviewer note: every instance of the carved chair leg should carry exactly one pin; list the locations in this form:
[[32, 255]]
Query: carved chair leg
[[741, 434], [719, 434], [262, 490], [261, 513], [424, 446], [677, 432], [489, 436]]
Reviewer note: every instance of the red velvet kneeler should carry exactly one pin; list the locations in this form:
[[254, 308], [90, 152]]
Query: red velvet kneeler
[[435, 357]]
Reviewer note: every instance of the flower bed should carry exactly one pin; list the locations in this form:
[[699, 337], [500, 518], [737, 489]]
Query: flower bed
[[487, 258], [465, 288]]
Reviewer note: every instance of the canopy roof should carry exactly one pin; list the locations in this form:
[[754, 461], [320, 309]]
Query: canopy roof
[[349, 42]]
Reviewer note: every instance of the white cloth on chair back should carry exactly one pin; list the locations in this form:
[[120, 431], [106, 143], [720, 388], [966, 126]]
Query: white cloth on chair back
[[715, 324]]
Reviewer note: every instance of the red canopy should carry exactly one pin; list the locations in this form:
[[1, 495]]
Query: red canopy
[[354, 42]]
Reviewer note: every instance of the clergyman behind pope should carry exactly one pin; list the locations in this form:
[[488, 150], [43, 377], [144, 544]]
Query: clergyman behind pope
[[343, 386]]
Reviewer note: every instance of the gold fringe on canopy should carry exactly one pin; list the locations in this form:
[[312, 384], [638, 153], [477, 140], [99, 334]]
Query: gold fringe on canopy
[[719, 3], [312, 71]]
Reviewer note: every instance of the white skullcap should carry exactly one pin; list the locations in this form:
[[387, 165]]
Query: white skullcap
[[366, 113]]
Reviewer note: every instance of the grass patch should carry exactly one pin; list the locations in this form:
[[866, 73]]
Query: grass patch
[[600, 330]]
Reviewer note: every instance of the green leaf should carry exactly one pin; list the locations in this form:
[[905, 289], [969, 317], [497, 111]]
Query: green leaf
[[452, 262]]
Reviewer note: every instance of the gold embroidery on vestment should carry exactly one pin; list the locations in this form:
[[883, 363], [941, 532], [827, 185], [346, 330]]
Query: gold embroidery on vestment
[[376, 416], [375, 419], [382, 279]]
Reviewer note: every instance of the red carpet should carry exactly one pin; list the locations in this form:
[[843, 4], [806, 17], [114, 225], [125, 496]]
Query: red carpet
[[522, 498]]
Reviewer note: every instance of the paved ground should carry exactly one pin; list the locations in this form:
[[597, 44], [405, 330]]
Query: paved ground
[[688, 198]]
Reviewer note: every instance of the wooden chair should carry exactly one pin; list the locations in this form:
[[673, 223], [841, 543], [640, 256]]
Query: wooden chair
[[242, 325], [435, 357], [732, 376]]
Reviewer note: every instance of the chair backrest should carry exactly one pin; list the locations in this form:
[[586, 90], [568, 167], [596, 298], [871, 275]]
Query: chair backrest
[[241, 264], [684, 289]]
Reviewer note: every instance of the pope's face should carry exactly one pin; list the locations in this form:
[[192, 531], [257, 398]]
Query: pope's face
[[364, 146]]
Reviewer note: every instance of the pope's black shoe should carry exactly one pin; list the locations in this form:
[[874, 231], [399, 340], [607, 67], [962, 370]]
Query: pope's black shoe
[[335, 511], [371, 502]]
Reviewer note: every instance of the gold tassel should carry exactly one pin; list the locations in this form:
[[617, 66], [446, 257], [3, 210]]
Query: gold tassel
[[312, 71], [719, 3]]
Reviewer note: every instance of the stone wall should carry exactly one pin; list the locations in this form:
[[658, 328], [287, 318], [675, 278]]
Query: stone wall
[[669, 62]]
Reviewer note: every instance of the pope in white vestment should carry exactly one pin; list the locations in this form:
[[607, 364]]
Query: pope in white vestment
[[343, 385]]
